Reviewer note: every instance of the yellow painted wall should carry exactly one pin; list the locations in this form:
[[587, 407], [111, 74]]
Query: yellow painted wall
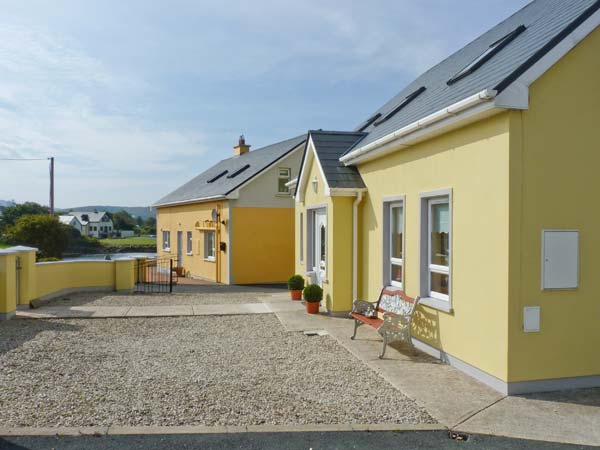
[[56, 276], [262, 242], [474, 163], [8, 299], [337, 289], [183, 218], [557, 141]]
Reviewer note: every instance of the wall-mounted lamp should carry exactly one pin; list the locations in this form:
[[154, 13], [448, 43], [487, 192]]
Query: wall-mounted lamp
[[315, 184]]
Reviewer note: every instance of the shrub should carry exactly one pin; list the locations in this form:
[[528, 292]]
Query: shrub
[[313, 293], [51, 259], [296, 283], [42, 231]]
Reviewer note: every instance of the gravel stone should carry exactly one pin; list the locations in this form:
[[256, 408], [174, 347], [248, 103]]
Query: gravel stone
[[105, 299], [186, 371]]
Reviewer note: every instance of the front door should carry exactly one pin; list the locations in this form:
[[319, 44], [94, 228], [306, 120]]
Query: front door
[[179, 248], [320, 245]]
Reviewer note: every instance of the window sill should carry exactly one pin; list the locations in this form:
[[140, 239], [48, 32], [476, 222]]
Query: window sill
[[209, 259], [167, 250], [440, 305], [190, 254], [281, 194]]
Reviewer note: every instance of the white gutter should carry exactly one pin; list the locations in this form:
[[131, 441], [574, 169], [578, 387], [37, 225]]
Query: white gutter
[[468, 103], [193, 200], [292, 183], [359, 197]]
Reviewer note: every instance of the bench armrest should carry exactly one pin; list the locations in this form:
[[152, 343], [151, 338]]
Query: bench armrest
[[365, 308]]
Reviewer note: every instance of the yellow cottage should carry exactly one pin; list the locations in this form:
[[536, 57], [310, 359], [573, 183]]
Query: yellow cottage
[[475, 189], [234, 223]]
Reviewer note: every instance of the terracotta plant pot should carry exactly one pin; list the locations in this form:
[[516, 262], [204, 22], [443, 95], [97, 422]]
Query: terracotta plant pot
[[313, 307], [296, 294]]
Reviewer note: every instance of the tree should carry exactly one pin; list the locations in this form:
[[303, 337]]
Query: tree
[[122, 220], [11, 214], [44, 232], [149, 226]]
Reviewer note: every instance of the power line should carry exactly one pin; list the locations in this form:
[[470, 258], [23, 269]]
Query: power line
[[24, 159]]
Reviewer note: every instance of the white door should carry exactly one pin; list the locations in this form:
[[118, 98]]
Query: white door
[[320, 243]]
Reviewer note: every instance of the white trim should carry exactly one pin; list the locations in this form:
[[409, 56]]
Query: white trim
[[303, 177], [193, 200], [456, 111], [346, 192], [292, 183]]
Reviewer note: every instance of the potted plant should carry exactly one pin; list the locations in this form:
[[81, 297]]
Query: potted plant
[[313, 294], [295, 286]]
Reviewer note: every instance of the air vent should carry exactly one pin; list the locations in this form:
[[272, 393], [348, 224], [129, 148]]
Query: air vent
[[216, 177], [486, 55], [237, 172], [405, 102]]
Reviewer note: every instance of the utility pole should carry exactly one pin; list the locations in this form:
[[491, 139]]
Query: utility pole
[[51, 185]]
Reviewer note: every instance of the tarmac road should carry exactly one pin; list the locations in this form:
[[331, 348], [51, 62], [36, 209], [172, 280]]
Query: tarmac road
[[410, 440]]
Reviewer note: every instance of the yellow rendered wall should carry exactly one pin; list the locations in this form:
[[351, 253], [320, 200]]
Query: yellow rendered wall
[[557, 141], [312, 199], [337, 289], [56, 276], [262, 242], [183, 218], [474, 162], [8, 277]]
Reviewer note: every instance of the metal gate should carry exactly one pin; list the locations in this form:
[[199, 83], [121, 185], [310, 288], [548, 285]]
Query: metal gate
[[154, 275]]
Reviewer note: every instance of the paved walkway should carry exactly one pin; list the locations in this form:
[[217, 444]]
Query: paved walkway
[[456, 400]]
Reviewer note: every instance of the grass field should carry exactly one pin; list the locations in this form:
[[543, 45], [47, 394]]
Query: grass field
[[127, 242], [4, 245]]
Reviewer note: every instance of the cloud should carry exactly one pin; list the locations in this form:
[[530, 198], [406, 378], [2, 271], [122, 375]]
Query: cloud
[[55, 100]]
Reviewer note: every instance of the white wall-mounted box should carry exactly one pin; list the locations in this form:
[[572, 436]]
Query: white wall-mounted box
[[531, 319], [560, 259]]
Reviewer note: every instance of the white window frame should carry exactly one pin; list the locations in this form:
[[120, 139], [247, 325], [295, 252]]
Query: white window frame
[[207, 252], [388, 204], [166, 242], [287, 178], [435, 268], [189, 243], [430, 298]]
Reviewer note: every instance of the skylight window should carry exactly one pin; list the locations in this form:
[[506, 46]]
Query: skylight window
[[487, 55], [216, 177], [404, 103], [368, 122], [237, 172]]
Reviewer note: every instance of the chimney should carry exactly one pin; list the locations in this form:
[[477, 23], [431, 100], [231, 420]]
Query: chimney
[[241, 148]]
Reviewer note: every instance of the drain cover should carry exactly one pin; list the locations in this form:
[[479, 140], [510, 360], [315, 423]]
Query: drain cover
[[316, 333]]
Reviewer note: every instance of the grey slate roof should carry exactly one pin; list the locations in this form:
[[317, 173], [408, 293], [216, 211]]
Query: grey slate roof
[[330, 146], [544, 19], [93, 216], [199, 188]]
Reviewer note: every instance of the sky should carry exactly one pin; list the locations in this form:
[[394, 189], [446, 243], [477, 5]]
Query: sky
[[134, 98]]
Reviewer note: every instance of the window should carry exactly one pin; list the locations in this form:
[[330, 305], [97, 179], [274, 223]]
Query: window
[[396, 241], [488, 54], [285, 174], [189, 243], [301, 237], [209, 245], [166, 236], [439, 248], [408, 99]]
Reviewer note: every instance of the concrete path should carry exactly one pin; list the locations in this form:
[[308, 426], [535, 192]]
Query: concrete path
[[96, 312], [460, 402]]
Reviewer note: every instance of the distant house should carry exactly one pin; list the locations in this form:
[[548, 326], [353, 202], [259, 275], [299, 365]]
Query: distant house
[[72, 221], [95, 224]]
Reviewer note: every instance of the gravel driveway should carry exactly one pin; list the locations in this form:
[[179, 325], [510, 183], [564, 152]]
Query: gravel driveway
[[186, 371]]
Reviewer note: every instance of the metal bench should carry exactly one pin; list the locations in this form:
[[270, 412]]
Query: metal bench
[[391, 316]]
